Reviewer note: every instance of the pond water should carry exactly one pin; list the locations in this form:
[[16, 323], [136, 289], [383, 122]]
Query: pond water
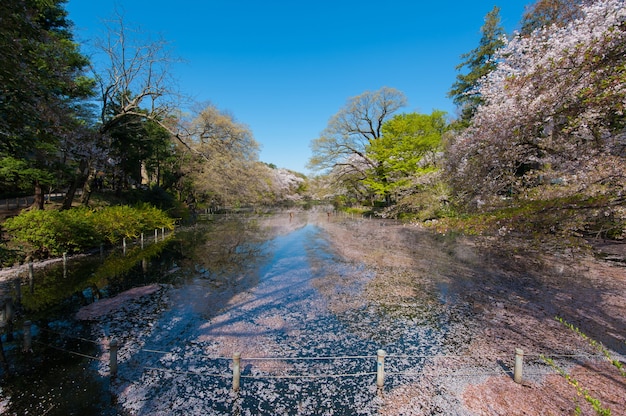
[[307, 323]]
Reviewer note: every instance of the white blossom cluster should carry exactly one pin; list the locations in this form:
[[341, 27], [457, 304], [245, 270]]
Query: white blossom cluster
[[285, 184], [555, 101]]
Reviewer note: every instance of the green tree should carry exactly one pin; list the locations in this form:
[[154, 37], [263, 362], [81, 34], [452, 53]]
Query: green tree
[[479, 62], [43, 82], [407, 149], [341, 148]]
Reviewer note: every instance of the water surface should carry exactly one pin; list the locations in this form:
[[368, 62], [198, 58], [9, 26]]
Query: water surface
[[305, 321]]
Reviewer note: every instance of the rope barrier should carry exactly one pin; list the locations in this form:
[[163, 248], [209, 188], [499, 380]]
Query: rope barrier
[[236, 359], [373, 373], [167, 370], [69, 336], [311, 376], [67, 351], [244, 358], [344, 357], [354, 357]]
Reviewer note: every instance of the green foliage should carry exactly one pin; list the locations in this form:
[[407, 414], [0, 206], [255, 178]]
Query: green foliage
[[595, 344], [580, 390], [43, 233], [118, 222], [42, 79], [429, 202], [479, 63], [51, 233], [564, 216], [19, 175], [406, 151]]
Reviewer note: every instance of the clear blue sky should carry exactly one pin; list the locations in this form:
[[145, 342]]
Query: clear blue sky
[[285, 67]]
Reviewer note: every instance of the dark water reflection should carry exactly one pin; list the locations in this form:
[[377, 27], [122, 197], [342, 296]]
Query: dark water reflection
[[263, 285]]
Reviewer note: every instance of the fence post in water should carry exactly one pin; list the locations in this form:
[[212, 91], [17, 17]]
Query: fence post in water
[[28, 338], [380, 370], [236, 370], [18, 291], [31, 276], [113, 347], [517, 370], [8, 317]]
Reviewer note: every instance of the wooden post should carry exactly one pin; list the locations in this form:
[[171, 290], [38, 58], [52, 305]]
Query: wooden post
[[156, 235], [162, 233], [28, 337], [124, 245], [113, 347], [236, 370], [142, 241], [31, 276], [517, 371], [18, 291], [8, 317], [380, 369]]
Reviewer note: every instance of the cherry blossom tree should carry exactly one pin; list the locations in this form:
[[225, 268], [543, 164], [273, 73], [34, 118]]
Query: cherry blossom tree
[[547, 12], [553, 107]]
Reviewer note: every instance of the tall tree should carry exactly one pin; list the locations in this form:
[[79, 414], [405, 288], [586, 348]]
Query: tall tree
[[135, 87], [407, 150], [42, 80], [478, 62], [342, 145], [222, 160]]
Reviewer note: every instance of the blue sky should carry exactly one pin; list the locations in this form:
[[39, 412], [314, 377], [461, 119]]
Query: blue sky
[[285, 67]]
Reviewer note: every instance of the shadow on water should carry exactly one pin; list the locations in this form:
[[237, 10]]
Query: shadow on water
[[59, 377], [273, 286], [264, 286]]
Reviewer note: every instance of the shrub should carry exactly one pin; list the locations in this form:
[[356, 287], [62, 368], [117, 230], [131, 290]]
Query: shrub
[[51, 233]]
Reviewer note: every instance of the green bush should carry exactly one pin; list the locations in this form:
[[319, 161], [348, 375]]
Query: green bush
[[152, 218], [117, 222], [51, 233], [47, 233]]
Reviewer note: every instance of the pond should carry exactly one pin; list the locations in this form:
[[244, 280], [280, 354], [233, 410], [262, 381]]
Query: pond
[[307, 323]]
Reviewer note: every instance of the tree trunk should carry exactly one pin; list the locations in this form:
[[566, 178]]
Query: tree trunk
[[79, 179], [87, 188], [39, 196]]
